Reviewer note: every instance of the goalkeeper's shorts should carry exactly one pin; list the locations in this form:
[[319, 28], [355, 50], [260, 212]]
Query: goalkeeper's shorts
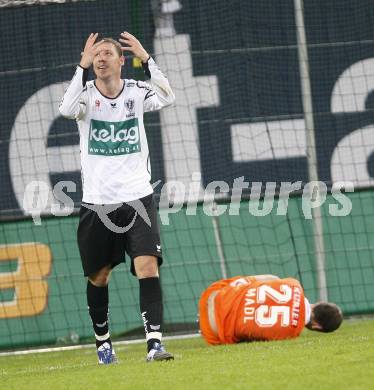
[[104, 236]]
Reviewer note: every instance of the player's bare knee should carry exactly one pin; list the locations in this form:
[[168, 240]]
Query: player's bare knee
[[146, 267], [100, 278], [147, 271]]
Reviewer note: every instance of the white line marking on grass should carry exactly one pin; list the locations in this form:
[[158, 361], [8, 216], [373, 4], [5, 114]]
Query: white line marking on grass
[[86, 346], [48, 369]]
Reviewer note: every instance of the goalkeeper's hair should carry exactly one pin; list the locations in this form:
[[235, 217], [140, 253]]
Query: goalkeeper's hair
[[116, 44], [328, 315]]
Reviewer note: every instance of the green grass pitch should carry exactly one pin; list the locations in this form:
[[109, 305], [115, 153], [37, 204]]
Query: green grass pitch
[[341, 360]]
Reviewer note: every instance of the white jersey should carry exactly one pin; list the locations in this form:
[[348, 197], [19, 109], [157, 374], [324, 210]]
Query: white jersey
[[113, 143]]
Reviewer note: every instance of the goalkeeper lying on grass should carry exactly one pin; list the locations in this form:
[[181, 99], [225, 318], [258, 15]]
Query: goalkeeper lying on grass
[[262, 307]]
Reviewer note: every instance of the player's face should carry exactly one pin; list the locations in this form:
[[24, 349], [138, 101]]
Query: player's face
[[107, 62]]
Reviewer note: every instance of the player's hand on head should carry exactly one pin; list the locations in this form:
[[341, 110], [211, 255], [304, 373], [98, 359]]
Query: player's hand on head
[[131, 44], [89, 50]]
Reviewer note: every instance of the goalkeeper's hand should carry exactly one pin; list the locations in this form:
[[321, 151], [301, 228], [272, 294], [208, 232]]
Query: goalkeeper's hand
[[134, 46], [89, 51]]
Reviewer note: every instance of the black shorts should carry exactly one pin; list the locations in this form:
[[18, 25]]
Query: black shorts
[[125, 230]]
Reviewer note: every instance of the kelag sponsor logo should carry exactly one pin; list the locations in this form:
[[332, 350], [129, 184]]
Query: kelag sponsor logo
[[114, 138]]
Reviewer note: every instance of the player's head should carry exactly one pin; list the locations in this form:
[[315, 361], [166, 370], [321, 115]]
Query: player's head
[[326, 317], [108, 59]]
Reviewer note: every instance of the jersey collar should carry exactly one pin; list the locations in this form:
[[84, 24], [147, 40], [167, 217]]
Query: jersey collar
[[107, 97], [308, 311]]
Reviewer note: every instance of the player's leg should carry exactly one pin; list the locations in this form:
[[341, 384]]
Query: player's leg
[[150, 297], [98, 307], [97, 251], [151, 306], [144, 248]]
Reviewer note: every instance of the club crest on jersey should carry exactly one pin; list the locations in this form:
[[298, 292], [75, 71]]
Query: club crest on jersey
[[114, 138], [97, 106], [130, 105]]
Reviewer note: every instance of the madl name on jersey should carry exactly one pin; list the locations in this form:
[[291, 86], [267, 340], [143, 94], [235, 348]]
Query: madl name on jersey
[[114, 138]]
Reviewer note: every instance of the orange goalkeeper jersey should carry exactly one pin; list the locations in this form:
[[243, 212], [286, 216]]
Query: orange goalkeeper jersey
[[244, 309]]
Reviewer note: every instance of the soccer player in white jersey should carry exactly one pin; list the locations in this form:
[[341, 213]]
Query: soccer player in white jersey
[[116, 178]]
